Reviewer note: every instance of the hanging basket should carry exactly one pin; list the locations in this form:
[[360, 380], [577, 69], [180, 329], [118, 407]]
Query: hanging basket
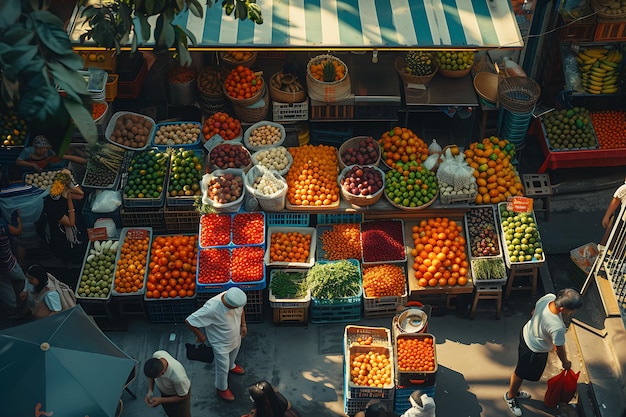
[[400, 65], [518, 94], [328, 92]]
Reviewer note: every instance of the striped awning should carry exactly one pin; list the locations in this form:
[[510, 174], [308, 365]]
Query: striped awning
[[353, 24]]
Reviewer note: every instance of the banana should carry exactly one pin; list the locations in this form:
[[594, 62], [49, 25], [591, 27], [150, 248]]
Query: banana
[[597, 68], [595, 83], [611, 90], [596, 52], [596, 79], [584, 57], [590, 61], [586, 67], [594, 91], [605, 66]]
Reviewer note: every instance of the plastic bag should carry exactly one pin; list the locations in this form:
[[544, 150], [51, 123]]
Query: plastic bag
[[561, 388], [106, 202]]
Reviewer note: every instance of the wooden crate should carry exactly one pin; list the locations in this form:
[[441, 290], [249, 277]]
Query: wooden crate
[[332, 111], [181, 219], [291, 316], [144, 217], [610, 31]]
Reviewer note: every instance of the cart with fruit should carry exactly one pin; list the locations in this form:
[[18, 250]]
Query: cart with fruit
[[486, 257]]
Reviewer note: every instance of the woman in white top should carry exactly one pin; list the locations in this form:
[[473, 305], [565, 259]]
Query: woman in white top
[[43, 301]]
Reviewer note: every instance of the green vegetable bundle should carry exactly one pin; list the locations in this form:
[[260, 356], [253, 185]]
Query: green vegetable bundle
[[488, 269], [331, 280], [288, 284]]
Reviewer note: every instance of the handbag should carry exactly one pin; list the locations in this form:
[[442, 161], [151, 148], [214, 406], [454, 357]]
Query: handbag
[[561, 388], [200, 352]]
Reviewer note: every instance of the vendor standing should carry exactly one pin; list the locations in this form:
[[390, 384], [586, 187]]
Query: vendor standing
[[40, 156]]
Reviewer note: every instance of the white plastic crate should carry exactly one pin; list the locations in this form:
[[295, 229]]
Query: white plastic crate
[[290, 112]]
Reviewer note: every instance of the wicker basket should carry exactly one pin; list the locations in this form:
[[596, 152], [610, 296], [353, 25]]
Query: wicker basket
[[599, 7], [361, 200], [328, 92], [353, 142], [454, 74], [518, 94], [254, 114], [219, 73], [247, 101], [422, 207], [231, 63], [285, 96], [400, 65]]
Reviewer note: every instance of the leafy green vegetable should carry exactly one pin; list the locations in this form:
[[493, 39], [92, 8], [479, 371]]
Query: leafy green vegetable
[[488, 268], [288, 284], [334, 280]]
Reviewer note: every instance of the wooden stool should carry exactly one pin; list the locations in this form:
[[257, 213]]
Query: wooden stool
[[538, 186], [522, 271], [487, 293]]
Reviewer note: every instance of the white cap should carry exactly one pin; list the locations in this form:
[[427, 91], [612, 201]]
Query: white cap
[[235, 297]]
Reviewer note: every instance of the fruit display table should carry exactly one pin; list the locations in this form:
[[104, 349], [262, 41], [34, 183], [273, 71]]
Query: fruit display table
[[574, 159]]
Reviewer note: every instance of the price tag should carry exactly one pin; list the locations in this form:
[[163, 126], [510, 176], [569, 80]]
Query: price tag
[[136, 234], [97, 233], [520, 204], [213, 142]]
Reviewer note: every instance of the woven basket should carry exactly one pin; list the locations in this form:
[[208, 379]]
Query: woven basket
[[360, 200], [518, 94], [353, 142], [255, 114], [281, 96], [247, 101], [599, 7], [328, 92], [454, 74], [231, 63], [400, 65], [219, 73], [422, 207]]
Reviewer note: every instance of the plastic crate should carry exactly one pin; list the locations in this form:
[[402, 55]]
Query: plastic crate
[[110, 90], [354, 405], [381, 336], [610, 31], [507, 259], [278, 303], [195, 144], [181, 219], [383, 226], [170, 311], [332, 111], [290, 112], [234, 218], [339, 218], [107, 298], [132, 89], [401, 401], [305, 231], [104, 59], [340, 310], [383, 306], [415, 378], [291, 316], [146, 217], [253, 308], [359, 391], [287, 219], [125, 231], [222, 286]]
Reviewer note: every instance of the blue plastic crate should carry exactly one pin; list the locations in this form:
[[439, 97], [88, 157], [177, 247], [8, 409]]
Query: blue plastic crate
[[340, 310], [222, 286], [401, 401], [287, 219], [195, 144], [233, 219], [170, 311], [354, 405], [336, 218]]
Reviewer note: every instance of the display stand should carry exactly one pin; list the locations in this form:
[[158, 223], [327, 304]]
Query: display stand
[[522, 271], [487, 293]]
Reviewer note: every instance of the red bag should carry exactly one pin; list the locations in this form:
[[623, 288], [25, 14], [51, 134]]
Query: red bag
[[561, 388]]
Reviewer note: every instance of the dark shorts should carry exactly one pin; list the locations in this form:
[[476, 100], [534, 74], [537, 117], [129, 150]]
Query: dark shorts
[[530, 365], [178, 409]]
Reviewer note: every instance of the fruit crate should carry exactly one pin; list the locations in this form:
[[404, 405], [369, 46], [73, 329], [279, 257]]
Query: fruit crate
[[610, 31], [339, 218], [285, 229], [507, 258], [284, 303], [361, 391], [291, 316], [137, 233], [187, 200], [341, 110], [354, 405], [132, 89], [320, 253], [233, 218], [415, 378], [339, 310], [181, 219], [290, 112], [287, 219], [89, 217], [401, 402], [383, 306], [253, 308], [223, 286], [149, 202], [192, 145], [170, 311], [381, 336], [382, 229], [80, 298], [147, 217], [552, 149]]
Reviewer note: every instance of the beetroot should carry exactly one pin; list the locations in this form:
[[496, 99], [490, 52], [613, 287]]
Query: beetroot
[[383, 240]]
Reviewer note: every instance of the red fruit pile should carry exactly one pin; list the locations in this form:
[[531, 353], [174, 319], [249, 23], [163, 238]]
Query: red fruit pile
[[215, 230], [222, 124], [227, 155], [382, 240], [366, 152], [214, 266], [248, 229], [247, 264], [243, 83]]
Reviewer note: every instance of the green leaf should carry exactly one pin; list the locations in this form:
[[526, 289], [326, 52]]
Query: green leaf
[[20, 57], [71, 81], [186, 32], [17, 35], [39, 5], [155, 6], [9, 13], [44, 16], [39, 104], [144, 28], [164, 32], [54, 38], [196, 8], [241, 10], [83, 120], [10, 90]]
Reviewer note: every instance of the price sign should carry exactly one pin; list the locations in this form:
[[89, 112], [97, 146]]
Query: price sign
[[97, 233], [520, 204], [213, 142], [136, 234]]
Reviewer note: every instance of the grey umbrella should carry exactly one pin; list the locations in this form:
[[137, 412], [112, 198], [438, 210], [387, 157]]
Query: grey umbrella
[[62, 364]]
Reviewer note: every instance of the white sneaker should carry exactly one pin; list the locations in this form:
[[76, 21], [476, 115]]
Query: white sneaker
[[512, 404], [522, 395]]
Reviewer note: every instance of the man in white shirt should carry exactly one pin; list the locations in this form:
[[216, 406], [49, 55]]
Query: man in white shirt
[[544, 332], [173, 383], [224, 322], [619, 197]]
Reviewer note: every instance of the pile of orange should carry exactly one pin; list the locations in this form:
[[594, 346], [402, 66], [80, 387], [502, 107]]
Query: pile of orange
[[610, 128], [221, 123], [131, 265], [317, 70], [415, 354], [495, 175], [312, 178], [243, 83], [439, 253], [401, 144], [290, 247], [172, 268]]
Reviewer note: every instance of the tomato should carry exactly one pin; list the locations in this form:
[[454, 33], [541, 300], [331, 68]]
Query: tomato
[[248, 229], [247, 264], [215, 230], [214, 266]]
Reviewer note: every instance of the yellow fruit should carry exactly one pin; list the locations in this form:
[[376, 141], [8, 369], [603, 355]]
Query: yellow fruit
[[92, 57]]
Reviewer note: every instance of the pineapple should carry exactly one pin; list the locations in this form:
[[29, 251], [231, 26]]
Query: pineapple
[[420, 63]]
